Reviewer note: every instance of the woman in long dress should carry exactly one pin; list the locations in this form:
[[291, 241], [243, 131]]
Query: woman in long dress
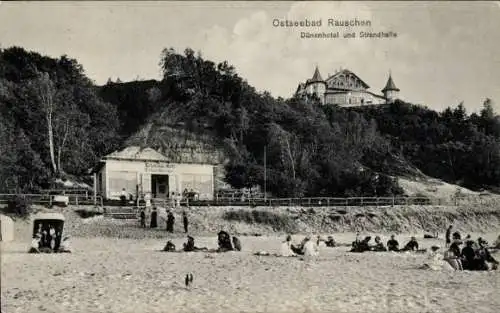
[[154, 219]]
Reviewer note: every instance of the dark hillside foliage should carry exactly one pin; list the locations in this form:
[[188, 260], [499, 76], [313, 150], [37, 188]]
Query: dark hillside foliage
[[52, 121], [451, 145], [55, 122]]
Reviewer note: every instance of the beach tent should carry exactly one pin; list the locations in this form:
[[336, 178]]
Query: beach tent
[[6, 228]]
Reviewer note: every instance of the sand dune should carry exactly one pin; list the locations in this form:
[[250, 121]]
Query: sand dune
[[121, 275]]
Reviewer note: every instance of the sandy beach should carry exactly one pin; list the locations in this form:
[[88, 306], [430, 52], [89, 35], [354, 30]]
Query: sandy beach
[[124, 275]]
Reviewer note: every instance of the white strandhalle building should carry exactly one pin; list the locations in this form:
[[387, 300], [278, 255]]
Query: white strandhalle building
[[148, 173], [346, 89]]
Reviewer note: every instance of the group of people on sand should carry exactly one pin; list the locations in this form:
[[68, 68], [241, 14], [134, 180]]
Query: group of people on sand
[[362, 245], [474, 256], [170, 220], [49, 240], [223, 241]]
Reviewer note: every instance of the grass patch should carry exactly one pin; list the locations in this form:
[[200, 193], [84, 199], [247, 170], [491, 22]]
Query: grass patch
[[279, 222]]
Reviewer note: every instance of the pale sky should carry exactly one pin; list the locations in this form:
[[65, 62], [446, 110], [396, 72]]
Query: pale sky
[[444, 53]]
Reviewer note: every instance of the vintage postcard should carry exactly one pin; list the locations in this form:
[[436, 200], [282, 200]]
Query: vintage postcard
[[233, 156]]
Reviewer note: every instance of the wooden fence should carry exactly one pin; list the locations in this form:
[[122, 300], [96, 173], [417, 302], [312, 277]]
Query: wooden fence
[[48, 199], [82, 199]]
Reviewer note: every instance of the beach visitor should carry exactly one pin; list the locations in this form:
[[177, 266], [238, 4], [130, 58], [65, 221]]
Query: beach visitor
[[169, 247], [451, 257], [154, 218], [170, 222], [379, 245], [57, 241], [330, 242], [412, 245], [286, 249], [361, 246], [224, 242], [299, 249], [434, 260], [469, 256], [455, 247], [189, 246], [448, 236], [123, 197], [236, 243], [484, 256], [143, 218], [393, 244], [457, 236], [35, 244], [185, 221], [310, 248], [172, 199], [178, 198]]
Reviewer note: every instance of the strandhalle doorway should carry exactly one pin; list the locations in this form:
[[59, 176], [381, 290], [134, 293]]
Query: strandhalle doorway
[[159, 186]]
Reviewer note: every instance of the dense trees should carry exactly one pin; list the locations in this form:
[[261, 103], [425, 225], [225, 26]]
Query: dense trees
[[53, 122], [451, 145]]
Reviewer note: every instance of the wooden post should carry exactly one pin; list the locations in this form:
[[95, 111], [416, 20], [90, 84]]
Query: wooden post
[[327, 202], [95, 189], [392, 200], [309, 202], [76, 197]]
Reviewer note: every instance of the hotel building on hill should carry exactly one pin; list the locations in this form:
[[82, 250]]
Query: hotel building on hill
[[346, 89]]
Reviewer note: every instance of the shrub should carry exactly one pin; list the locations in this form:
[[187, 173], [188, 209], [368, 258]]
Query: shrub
[[279, 222], [18, 206], [87, 213]]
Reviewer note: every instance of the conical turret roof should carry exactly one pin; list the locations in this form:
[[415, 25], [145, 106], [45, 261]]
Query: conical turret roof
[[316, 77], [390, 85]]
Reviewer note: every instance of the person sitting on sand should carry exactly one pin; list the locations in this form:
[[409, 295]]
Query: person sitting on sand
[[189, 246], [236, 243], [434, 260], [411, 245], [286, 249], [224, 242], [393, 244], [330, 242], [379, 245], [484, 256], [299, 249], [468, 256], [457, 236], [455, 248], [452, 259], [362, 246], [169, 247], [35, 244], [310, 248], [65, 246]]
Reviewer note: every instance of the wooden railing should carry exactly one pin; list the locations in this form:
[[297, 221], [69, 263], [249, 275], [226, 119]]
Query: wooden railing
[[48, 199], [81, 199]]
